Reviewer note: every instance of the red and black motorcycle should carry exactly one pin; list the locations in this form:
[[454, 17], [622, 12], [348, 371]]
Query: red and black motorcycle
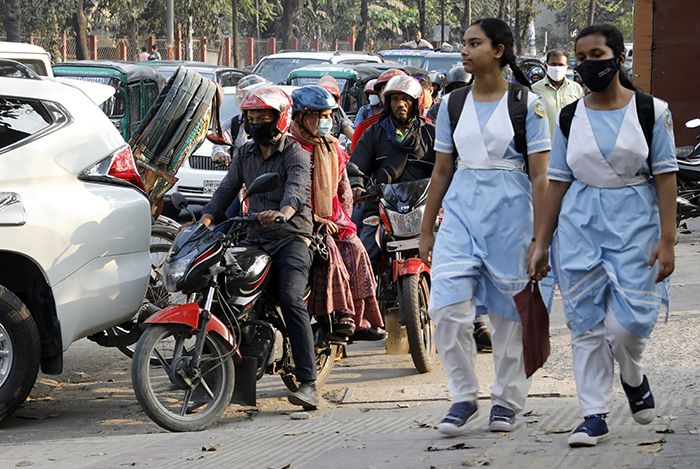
[[192, 356], [403, 280]]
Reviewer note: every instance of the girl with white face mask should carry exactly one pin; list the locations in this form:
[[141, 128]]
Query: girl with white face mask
[[344, 283], [612, 200]]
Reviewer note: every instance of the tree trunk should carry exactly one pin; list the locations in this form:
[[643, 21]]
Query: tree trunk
[[81, 32], [133, 33], [289, 12], [364, 25], [234, 32], [421, 16], [591, 12], [501, 9], [518, 35], [466, 15], [13, 20]]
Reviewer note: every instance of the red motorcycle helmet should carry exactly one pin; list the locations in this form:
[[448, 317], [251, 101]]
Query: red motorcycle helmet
[[273, 98], [387, 75], [369, 87], [331, 85], [408, 86]]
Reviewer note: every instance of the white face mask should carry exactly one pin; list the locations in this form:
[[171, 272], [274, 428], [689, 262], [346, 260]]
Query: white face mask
[[374, 100], [324, 127], [557, 72]]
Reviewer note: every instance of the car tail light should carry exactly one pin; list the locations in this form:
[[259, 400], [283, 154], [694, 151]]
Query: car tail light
[[117, 168]]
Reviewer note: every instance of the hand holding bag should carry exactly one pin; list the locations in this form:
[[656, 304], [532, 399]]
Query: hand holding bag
[[535, 320]]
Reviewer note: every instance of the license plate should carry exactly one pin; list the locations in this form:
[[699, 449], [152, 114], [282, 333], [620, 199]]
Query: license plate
[[210, 186]]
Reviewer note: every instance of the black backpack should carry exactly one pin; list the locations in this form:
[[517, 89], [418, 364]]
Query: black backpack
[[517, 110], [645, 114]]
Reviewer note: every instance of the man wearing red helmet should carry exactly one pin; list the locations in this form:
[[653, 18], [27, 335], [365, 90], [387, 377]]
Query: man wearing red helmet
[[267, 116], [341, 122], [374, 106], [397, 148]]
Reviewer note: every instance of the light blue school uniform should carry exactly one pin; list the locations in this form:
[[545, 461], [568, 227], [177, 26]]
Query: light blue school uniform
[[609, 219], [482, 243]]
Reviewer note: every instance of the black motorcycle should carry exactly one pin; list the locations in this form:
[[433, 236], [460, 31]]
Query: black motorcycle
[[189, 356]]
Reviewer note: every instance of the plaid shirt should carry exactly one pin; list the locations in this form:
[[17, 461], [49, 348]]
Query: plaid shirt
[[292, 163]]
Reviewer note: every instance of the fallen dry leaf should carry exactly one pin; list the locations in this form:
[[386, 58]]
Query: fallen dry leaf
[[24, 464], [213, 447], [550, 431], [450, 448]]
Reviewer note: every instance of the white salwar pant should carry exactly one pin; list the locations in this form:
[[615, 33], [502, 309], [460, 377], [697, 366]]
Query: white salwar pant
[[594, 354], [454, 328]]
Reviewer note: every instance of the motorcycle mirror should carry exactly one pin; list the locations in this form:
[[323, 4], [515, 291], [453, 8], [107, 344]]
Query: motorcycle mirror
[[218, 139], [693, 123], [354, 171], [179, 201], [264, 183]]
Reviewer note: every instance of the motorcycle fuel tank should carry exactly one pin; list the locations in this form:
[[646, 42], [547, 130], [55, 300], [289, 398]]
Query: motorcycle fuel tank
[[246, 270]]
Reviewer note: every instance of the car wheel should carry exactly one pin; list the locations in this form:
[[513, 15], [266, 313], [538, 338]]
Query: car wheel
[[20, 352]]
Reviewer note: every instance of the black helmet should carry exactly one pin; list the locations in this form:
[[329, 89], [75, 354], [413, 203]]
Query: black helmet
[[455, 78]]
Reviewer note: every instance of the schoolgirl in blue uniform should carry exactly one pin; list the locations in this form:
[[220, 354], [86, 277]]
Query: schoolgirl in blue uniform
[[479, 256], [615, 230]]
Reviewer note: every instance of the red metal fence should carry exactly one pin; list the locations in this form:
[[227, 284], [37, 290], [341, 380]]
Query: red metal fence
[[216, 51]]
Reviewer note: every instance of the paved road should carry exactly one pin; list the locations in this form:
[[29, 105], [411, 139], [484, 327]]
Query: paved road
[[377, 412]]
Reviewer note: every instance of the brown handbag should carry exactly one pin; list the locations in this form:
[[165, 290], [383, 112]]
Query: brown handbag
[[535, 320]]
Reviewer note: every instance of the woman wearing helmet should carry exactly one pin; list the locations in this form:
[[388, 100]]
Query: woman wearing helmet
[[341, 122], [372, 107], [344, 283], [233, 130], [267, 112]]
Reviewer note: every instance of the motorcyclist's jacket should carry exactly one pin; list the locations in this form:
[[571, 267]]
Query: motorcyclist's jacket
[[293, 165], [390, 156]]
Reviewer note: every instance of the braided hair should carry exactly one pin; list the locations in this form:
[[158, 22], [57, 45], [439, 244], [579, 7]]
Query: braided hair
[[500, 33], [615, 41]]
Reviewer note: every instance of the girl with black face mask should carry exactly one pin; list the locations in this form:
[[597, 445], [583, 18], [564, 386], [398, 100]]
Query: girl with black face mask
[[611, 198]]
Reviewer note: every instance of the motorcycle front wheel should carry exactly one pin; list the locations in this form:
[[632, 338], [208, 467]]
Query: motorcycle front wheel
[[413, 295], [170, 393]]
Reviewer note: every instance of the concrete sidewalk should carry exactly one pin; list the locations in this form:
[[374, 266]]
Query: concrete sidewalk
[[399, 435]]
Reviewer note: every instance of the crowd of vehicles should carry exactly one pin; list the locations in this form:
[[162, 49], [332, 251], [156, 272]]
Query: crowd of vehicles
[[86, 273]]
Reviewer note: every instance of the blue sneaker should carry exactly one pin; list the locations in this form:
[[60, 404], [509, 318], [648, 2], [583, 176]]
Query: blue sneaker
[[641, 401], [502, 419], [590, 432], [457, 417]]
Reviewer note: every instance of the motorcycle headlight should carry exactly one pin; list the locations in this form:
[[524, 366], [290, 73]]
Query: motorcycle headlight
[[406, 224], [174, 271]]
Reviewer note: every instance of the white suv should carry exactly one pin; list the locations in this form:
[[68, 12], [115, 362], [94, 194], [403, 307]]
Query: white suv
[[74, 227]]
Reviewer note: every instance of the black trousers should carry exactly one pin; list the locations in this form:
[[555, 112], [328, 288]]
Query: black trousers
[[291, 265]]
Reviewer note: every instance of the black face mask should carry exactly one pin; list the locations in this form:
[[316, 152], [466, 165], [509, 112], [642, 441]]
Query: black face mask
[[262, 134], [597, 74]]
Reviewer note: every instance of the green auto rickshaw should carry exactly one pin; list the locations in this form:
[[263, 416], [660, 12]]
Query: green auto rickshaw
[[136, 89]]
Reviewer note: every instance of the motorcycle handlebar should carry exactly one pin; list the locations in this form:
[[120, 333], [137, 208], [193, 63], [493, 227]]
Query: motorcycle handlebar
[[253, 218]]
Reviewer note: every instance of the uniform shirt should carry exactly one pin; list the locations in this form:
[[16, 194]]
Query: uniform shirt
[[606, 126], [555, 99], [293, 164], [536, 128]]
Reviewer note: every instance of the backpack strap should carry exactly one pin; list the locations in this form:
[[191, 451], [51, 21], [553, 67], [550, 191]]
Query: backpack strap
[[566, 116], [646, 116], [517, 110], [455, 105]]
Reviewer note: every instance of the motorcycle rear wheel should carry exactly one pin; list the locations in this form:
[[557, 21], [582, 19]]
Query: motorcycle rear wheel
[[324, 365], [163, 395], [413, 294]]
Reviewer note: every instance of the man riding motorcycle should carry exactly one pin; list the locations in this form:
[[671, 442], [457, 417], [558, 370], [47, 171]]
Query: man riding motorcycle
[[397, 148], [267, 114]]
